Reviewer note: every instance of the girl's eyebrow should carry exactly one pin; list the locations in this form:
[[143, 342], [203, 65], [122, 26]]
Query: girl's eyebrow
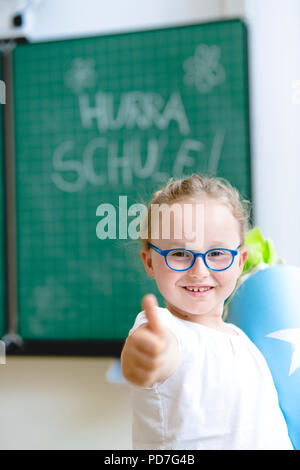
[[217, 243]]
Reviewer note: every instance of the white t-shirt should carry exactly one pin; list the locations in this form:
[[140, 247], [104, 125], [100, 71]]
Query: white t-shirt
[[222, 395]]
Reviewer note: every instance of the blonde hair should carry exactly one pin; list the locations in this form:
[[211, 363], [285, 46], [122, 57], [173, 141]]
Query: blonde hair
[[196, 186]]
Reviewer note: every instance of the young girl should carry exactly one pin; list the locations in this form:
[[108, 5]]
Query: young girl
[[198, 382]]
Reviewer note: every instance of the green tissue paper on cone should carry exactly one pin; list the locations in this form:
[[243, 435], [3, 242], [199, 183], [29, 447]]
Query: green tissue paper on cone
[[259, 250]]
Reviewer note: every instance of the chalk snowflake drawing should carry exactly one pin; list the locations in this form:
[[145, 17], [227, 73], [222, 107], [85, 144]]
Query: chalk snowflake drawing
[[81, 75], [203, 70]]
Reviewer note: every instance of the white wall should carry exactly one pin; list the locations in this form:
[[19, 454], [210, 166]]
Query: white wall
[[62, 403], [52, 19], [274, 33], [93, 16]]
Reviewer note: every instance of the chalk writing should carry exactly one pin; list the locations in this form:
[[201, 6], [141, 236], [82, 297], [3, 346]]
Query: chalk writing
[[136, 109], [216, 150], [113, 160], [120, 162]]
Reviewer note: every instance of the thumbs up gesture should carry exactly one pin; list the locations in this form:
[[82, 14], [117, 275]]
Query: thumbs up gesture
[[149, 304], [151, 353]]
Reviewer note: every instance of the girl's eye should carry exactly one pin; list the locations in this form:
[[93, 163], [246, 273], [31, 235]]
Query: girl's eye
[[179, 254], [217, 253]]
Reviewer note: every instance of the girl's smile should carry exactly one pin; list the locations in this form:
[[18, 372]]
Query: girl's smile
[[198, 292]]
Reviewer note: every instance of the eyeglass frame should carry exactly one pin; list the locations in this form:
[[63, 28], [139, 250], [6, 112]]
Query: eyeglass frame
[[195, 255]]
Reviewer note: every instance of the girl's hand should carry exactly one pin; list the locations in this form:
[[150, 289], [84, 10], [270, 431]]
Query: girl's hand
[[151, 353]]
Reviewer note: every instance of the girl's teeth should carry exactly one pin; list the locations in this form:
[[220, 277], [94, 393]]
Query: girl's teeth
[[196, 289]]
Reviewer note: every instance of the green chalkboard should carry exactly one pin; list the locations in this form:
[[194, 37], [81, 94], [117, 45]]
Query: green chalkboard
[[102, 117], [2, 227]]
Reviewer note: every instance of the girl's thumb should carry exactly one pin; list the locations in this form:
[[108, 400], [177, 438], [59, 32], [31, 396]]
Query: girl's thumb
[[149, 305]]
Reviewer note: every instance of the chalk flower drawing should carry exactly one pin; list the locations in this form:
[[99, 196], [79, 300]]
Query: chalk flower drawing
[[203, 70], [81, 75]]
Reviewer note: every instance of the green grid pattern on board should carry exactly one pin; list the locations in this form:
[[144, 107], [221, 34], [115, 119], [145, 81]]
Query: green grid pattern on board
[[2, 257], [102, 117]]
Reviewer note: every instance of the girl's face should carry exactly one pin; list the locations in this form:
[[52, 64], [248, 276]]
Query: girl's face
[[219, 229]]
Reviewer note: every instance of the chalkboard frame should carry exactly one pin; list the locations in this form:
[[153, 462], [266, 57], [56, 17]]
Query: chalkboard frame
[[82, 348], [3, 211], [110, 348]]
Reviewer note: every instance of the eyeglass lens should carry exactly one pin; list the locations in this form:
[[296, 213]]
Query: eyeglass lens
[[216, 259]]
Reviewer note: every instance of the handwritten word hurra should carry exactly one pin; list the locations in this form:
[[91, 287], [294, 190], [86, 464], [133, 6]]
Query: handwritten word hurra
[[122, 159], [136, 109]]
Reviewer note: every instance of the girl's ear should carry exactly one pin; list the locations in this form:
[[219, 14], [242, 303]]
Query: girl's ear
[[243, 258], [147, 260]]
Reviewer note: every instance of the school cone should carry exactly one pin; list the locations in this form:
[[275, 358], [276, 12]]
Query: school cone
[[266, 306]]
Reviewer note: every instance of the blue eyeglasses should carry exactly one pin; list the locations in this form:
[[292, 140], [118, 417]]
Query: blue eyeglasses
[[179, 259]]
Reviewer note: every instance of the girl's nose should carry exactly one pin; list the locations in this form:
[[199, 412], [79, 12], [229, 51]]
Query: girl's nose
[[199, 268]]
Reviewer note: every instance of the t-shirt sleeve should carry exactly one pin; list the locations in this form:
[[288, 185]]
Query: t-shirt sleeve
[[140, 320]]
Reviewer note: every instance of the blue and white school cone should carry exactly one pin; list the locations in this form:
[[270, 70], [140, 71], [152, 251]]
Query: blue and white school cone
[[266, 306]]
